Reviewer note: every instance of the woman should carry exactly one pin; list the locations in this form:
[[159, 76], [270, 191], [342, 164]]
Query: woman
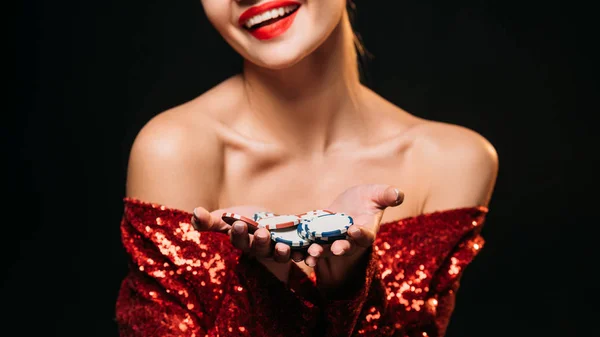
[[297, 131]]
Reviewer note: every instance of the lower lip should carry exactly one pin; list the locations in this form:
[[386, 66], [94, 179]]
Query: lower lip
[[275, 29]]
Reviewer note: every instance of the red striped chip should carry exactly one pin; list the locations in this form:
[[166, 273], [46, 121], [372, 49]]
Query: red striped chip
[[314, 213], [278, 221], [230, 218]]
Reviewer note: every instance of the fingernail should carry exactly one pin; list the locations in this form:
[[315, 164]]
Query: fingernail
[[194, 224], [280, 250], [337, 251], [397, 196], [261, 237], [355, 232], [196, 210], [238, 228], [313, 254], [310, 263]]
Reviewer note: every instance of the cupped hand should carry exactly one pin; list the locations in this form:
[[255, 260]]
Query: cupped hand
[[365, 204]]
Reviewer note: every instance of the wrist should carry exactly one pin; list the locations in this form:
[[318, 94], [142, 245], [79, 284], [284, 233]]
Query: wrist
[[280, 270], [342, 274]]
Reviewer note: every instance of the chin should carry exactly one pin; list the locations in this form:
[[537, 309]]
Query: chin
[[279, 55]]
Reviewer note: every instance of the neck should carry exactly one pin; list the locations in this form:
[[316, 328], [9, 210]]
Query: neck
[[321, 92]]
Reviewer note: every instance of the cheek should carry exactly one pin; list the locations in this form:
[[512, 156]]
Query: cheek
[[218, 13], [327, 14]]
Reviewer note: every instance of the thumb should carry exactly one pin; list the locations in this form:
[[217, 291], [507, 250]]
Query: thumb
[[386, 196], [217, 223], [203, 220]]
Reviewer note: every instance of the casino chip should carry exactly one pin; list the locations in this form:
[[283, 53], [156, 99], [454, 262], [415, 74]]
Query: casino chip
[[259, 215], [313, 214], [326, 226], [278, 221], [290, 237], [230, 218], [298, 230], [301, 229]]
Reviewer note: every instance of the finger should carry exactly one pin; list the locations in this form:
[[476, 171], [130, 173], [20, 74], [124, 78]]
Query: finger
[[340, 247], [362, 236], [202, 219], [386, 196], [297, 255], [281, 253], [261, 246], [315, 250], [239, 236], [219, 225], [311, 261]]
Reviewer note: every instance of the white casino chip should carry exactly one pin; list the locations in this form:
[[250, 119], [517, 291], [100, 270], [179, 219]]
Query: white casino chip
[[259, 215], [278, 221], [314, 213], [328, 225], [290, 237]]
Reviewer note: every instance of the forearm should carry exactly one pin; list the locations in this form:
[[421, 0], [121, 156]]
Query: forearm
[[344, 300]]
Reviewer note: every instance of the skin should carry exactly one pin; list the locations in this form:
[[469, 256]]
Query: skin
[[297, 131]]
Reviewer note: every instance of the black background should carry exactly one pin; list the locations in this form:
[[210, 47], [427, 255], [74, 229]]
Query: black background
[[89, 74]]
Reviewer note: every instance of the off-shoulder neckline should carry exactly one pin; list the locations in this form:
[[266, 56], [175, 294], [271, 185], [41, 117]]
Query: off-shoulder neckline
[[482, 209]]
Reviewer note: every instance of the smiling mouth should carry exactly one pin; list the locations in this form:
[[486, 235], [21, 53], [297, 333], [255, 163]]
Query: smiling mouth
[[269, 17]]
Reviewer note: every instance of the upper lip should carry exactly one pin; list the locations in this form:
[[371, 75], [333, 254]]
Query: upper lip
[[255, 10]]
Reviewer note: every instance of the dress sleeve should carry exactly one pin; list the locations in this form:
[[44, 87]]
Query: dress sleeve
[[186, 283], [411, 278]]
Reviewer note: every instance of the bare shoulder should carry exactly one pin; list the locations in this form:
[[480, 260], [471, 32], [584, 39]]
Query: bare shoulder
[[176, 158], [461, 165]]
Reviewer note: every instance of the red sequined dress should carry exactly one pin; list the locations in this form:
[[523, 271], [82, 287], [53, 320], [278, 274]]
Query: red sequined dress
[[185, 283]]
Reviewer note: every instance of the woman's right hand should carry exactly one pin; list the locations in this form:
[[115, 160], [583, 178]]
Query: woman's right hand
[[257, 244]]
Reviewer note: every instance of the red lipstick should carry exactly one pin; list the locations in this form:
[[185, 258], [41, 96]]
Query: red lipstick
[[272, 27]]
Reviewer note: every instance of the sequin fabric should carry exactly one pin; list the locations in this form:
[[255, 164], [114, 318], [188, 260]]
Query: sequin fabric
[[185, 283]]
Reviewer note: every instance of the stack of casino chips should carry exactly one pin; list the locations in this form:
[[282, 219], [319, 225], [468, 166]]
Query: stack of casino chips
[[298, 230]]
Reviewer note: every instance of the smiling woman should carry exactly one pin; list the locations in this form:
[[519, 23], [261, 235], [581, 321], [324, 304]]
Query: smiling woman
[[297, 132]]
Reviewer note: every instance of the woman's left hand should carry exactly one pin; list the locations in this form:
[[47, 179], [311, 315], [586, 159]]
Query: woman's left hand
[[334, 263]]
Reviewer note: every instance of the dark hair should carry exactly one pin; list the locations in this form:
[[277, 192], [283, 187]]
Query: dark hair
[[362, 54]]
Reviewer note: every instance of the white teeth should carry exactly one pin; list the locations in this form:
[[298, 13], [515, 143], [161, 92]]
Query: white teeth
[[268, 15]]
